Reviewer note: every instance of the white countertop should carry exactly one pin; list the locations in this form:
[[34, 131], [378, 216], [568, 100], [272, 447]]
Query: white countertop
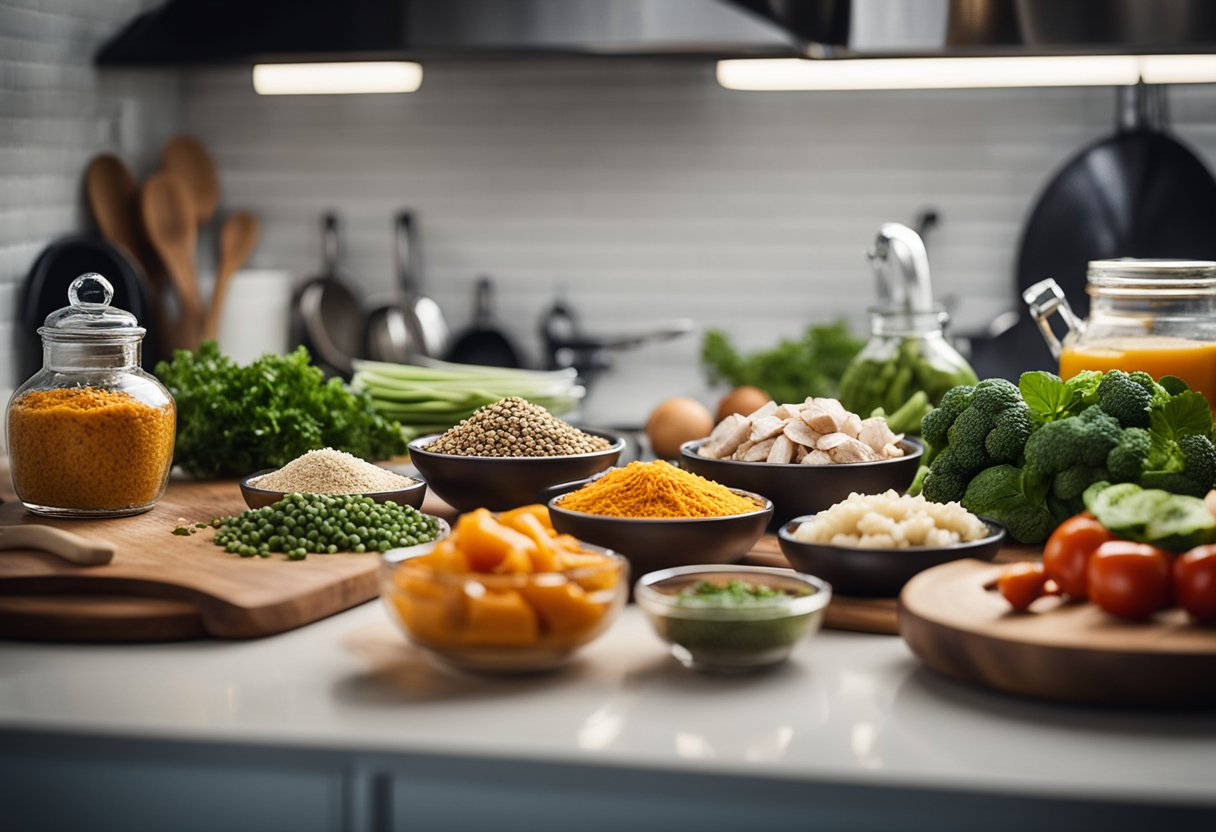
[[848, 707]]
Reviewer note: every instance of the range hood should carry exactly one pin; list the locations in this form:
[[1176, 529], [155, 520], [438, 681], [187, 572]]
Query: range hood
[[193, 32], [184, 32], [996, 28]]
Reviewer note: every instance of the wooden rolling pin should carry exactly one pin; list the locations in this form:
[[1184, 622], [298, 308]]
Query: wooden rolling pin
[[71, 547]]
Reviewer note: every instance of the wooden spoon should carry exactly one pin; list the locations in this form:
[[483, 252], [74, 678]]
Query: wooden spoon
[[169, 218], [70, 547], [238, 236], [186, 157], [114, 200]]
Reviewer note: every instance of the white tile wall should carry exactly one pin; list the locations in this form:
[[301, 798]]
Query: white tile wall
[[647, 191], [639, 186], [56, 112]]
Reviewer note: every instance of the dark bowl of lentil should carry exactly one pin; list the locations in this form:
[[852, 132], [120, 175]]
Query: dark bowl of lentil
[[411, 495], [504, 482], [660, 543]]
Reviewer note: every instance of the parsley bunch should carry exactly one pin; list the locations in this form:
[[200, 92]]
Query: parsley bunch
[[232, 420]]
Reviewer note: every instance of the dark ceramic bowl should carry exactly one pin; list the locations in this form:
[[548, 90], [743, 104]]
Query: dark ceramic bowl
[[652, 544], [503, 482], [411, 495], [806, 489], [878, 573]]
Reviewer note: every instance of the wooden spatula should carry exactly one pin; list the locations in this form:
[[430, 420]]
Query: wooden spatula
[[71, 547]]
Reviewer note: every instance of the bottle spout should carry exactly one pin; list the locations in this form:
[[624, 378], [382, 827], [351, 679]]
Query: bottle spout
[[1045, 299], [901, 266]]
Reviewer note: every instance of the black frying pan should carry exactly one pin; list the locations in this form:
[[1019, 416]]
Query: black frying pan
[[1138, 193], [46, 290], [484, 343]]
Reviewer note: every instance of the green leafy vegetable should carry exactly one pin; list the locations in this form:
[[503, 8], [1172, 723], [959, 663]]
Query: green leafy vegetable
[[792, 370], [232, 420]]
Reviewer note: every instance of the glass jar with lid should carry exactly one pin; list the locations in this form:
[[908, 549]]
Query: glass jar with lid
[[1158, 316], [907, 353], [90, 434]]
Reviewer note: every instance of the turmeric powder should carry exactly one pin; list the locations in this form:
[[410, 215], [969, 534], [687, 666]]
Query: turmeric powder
[[89, 449], [656, 490]]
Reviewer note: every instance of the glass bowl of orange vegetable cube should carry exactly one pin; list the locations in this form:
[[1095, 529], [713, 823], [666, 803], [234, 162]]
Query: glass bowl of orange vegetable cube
[[504, 592]]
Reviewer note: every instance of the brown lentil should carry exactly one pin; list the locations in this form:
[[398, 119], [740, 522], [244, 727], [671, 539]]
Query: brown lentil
[[88, 448], [515, 427]]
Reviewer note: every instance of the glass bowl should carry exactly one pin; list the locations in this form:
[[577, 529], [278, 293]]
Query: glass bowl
[[721, 638], [508, 623]]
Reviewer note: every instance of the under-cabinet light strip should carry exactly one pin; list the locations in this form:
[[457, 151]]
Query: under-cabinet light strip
[[337, 78], [959, 73]]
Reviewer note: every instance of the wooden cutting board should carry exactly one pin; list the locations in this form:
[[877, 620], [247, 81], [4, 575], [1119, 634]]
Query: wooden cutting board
[[164, 587], [1071, 652], [863, 615]]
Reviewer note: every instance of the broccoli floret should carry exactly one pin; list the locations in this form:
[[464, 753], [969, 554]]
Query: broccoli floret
[[995, 395], [1008, 436], [945, 482], [967, 437], [1199, 457], [1071, 483], [1078, 440], [1126, 398], [936, 424], [1000, 493], [1174, 482], [1127, 459]]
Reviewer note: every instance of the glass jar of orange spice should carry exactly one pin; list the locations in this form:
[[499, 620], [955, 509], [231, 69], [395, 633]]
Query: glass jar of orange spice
[[90, 434]]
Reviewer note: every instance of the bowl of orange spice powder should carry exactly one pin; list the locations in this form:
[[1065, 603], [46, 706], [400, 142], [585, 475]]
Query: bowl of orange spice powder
[[659, 516]]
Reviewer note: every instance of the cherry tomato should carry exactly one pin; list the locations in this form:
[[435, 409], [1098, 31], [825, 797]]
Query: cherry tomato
[[1130, 580], [1067, 553], [1022, 583], [1195, 582]]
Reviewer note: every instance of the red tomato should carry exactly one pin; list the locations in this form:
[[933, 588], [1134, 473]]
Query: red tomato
[[1066, 555], [1195, 582], [1021, 583], [1130, 580]]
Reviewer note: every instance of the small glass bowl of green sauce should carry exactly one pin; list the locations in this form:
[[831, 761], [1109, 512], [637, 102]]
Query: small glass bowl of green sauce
[[732, 619]]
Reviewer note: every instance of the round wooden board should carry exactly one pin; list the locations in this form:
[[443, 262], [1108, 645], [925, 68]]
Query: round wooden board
[[1069, 652]]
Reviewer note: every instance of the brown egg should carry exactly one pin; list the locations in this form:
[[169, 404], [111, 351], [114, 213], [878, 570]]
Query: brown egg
[[675, 422], [742, 400]]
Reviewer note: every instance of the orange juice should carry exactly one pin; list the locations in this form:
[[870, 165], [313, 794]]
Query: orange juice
[[1192, 361]]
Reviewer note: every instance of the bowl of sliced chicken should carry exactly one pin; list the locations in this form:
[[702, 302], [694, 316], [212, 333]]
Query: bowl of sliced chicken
[[804, 456]]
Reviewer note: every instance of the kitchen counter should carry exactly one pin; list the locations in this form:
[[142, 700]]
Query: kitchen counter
[[852, 716]]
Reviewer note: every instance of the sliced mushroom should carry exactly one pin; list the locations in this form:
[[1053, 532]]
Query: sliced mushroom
[[766, 427], [800, 452], [741, 451], [824, 415], [759, 451], [767, 409], [801, 432], [892, 451], [852, 450], [851, 425], [789, 411], [816, 458], [782, 451], [726, 437], [876, 433], [833, 440]]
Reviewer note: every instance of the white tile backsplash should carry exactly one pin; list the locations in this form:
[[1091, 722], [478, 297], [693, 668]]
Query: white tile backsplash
[[639, 187], [56, 112]]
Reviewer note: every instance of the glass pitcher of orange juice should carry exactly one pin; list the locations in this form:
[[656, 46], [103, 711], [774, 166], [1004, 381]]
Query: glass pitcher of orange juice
[[1158, 316]]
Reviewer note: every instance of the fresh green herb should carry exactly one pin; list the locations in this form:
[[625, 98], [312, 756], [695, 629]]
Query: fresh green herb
[[792, 370], [183, 531], [232, 420], [300, 524]]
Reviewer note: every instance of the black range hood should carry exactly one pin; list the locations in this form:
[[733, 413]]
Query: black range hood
[[199, 32], [185, 32]]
